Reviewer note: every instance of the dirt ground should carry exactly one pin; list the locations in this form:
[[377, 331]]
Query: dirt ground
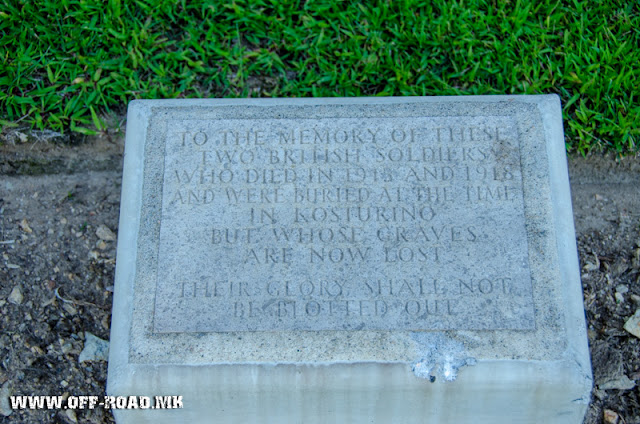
[[59, 216]]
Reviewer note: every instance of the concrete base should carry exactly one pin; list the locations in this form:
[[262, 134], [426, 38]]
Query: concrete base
[[490, 392]]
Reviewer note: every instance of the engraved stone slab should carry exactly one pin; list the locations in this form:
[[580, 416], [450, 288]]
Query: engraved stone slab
[[337, 223], [420, 249]]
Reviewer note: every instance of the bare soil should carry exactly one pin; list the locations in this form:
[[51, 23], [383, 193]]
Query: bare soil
[[606, 208], [57, 265]]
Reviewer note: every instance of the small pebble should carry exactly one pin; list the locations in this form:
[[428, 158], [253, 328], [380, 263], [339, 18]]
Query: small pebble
[[611, 417], [5, 407], [24, 224], [622, 383], [622, 289], [71, 414], [95, 349], [633, 324], [16, 296], [590, 266], [70, 309], [66, 347], [104, 233]]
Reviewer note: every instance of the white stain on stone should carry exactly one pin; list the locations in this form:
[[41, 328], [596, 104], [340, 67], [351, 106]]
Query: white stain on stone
[[439, 355]]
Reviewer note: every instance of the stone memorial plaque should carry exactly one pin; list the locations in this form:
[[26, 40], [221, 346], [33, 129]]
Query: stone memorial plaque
[[341, 223], [420, 249]]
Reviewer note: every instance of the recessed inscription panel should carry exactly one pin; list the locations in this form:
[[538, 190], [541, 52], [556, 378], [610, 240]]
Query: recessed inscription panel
[[412, 223]]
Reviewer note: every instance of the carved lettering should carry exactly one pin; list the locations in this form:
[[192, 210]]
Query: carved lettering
[[343, 223]]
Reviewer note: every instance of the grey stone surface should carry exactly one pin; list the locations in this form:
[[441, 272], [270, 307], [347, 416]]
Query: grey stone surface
[[365, 218], [397, 241]]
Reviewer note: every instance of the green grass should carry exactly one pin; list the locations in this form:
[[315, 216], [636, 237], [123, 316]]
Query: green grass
[[66, 63]]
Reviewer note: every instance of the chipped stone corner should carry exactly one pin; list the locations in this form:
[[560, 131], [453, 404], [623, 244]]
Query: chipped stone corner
[[439, 356]]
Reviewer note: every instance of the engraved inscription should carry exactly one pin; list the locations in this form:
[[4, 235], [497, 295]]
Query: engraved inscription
[[406, 223]]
